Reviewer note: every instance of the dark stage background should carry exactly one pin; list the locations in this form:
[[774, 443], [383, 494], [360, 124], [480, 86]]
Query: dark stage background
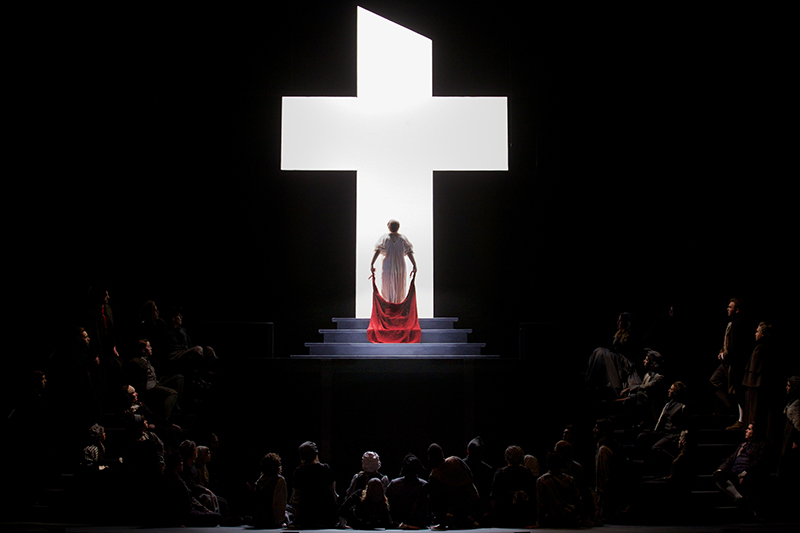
[[646, 171]]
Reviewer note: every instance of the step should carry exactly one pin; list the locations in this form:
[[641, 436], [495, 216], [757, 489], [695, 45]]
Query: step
[[428, 335], [719, 436], [404, 349], [426, 357], [424, 323]]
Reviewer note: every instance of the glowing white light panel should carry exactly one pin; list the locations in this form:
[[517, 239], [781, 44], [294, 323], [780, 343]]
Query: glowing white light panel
[[394, 133]]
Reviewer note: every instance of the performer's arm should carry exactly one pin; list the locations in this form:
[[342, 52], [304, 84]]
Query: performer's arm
[[413, 262], [372, 263]]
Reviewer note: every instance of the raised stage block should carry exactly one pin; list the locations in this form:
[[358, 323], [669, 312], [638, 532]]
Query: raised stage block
[[440, 340]]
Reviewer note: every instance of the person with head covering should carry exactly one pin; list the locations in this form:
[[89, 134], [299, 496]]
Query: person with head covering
[[370, 466], [408, 495]]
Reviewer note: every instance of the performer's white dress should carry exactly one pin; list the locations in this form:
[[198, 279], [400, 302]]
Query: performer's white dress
[[393, 274]]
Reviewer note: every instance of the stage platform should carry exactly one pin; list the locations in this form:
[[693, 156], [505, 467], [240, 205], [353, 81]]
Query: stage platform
[[440, 340], [781, 527]]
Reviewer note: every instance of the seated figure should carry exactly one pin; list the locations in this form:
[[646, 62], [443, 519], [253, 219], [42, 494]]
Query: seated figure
[[270, 494], [175, 505], [408, 495], [557, 496], [612, 369], [367, 508], [742, 473], [453, 498], [370, 464], [661, 444], [644, 398], [513, 492], [313, 498]]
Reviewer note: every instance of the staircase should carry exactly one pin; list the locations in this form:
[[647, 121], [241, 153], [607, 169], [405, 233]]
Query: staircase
[[440, 340], [704, 503]]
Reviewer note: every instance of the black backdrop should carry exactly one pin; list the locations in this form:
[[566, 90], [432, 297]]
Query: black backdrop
[[646, 166], [647, 170]]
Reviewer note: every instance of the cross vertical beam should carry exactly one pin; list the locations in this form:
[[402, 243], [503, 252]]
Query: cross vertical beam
[[394, 134]]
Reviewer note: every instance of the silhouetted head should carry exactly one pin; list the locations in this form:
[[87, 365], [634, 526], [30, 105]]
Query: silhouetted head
[[82, 336], [624, 321], [39, 381], [475, 448], [370, 462], [271, 464], [435, 455], [97, 433], [308, 452], [677, 391], [188, 450], [603, 428], [149, 312], [412, 466], [564, 449], [514, 455], [393, 226], [98, 295], [145, 348], [203, 455], [653, 360], [763, 331], [374, 491], [793, 387]]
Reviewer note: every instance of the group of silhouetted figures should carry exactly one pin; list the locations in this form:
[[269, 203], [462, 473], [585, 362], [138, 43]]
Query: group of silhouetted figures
[[748, 385], [134, 381], [154, 474]]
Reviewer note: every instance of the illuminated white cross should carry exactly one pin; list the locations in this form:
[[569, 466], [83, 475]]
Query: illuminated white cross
[[394, 133]]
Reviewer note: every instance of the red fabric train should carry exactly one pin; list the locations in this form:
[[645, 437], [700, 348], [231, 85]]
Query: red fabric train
[[394, 323]]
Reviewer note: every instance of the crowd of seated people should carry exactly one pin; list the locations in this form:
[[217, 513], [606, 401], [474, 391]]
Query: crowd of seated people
[[168, 484], [165, 475], [131, 378]]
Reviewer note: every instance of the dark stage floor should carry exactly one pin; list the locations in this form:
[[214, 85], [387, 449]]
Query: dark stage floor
[[727, 528]]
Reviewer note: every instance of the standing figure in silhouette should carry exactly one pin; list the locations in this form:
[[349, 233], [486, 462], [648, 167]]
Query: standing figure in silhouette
[[394, 248]]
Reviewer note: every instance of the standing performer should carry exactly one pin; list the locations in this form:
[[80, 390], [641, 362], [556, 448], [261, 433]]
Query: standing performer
[[394, 247], [394, 316]]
